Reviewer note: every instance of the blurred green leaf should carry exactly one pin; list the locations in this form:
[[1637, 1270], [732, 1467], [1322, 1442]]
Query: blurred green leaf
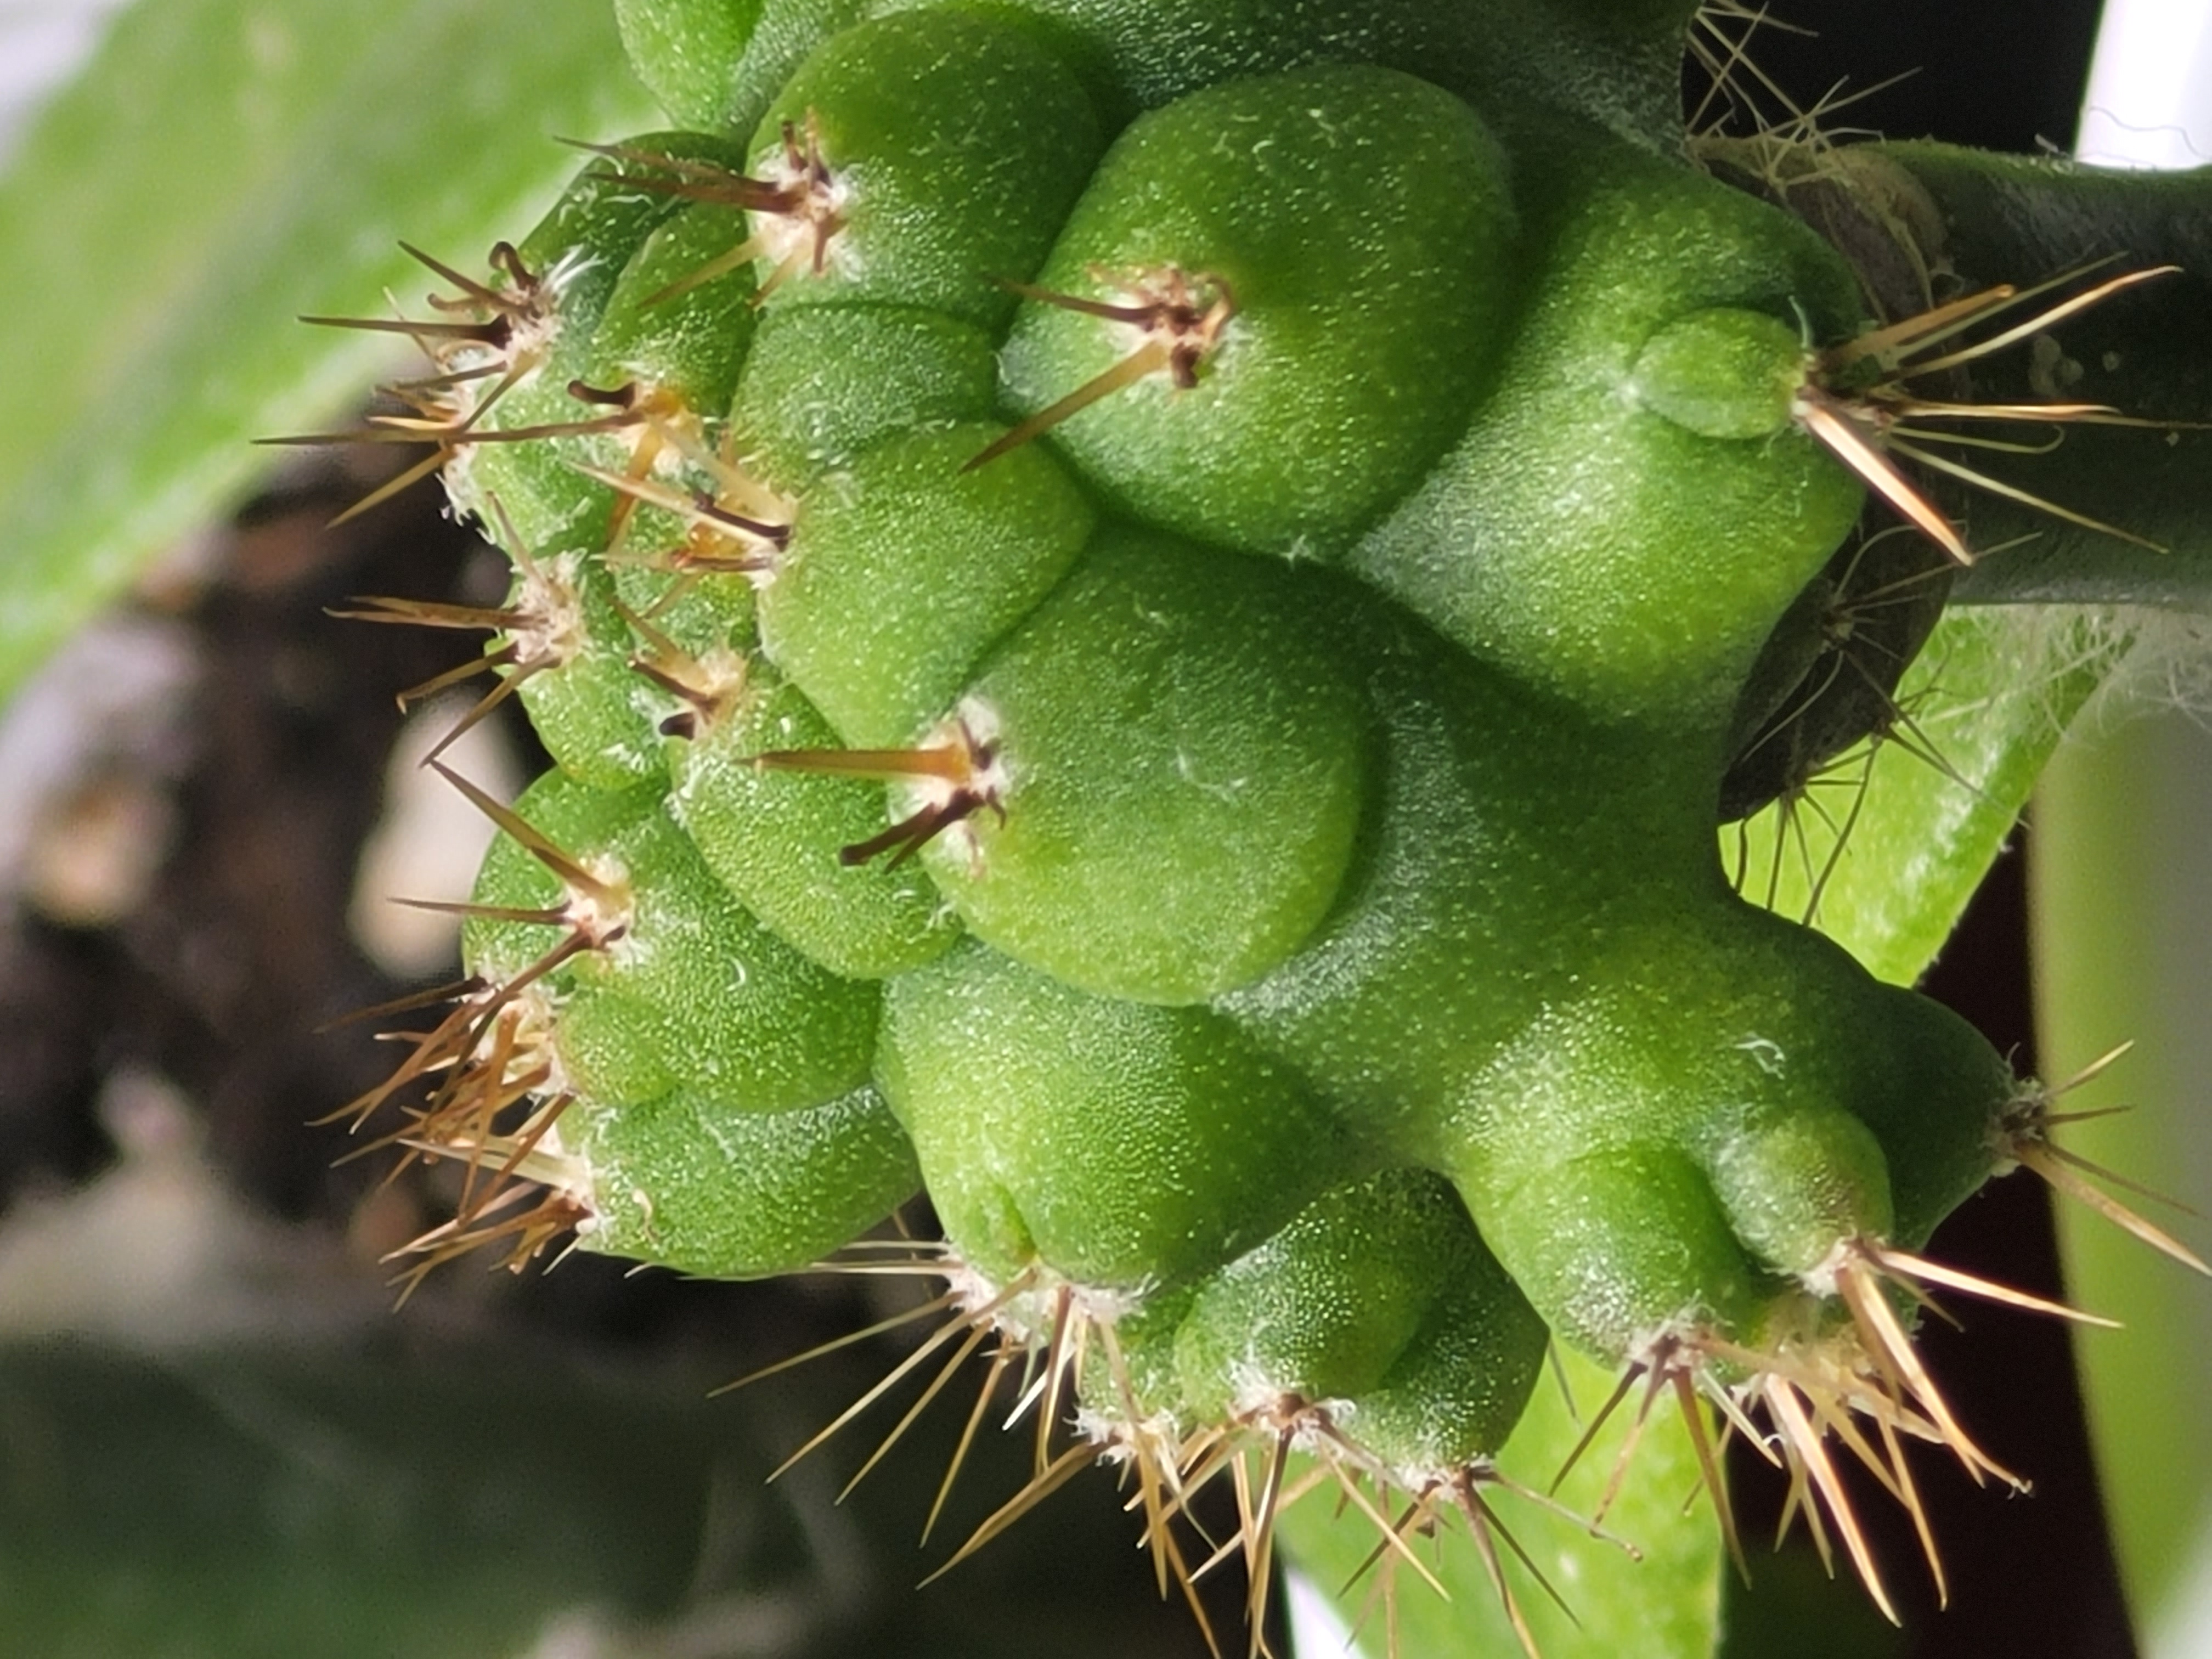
[[249, 1504], [1662, 1602], [473, 1497], [2122, 887], [222, 167], [1883, 851]]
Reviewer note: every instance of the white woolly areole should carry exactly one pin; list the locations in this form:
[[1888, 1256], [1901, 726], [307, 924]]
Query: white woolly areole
[[1030, 1313]]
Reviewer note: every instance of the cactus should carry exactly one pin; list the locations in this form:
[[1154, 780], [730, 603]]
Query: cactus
[[1154, 644], [1153, 623]]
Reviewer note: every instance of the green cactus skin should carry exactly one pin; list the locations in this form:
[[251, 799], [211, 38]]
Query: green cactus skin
[[1183, 759], [773, 837], [692, 992], [1303, 991], [986, 547], [1370, 301]]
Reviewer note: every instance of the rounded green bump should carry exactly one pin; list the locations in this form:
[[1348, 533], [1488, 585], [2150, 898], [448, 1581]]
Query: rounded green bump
[[1117, 1144], [1796, 1183], [1323, 1309], [824, 382], [775, 836], [582, 244], [710, 617], [1934, 1094], [1354, 225], [684, 350], [596, 715], [903, 569], [1184, 757], [572, 263], [1722, 372], [1589, 547], [687, 1182], [691, 990], [1461, 1385], [686, 52], [497, 948], [1617, 1246], [945, 146], [718, 1001]]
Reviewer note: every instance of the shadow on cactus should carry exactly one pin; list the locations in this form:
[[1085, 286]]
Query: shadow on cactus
[[1150, 636]]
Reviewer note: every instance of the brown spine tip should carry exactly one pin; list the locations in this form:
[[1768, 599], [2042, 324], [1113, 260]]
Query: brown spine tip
[[1180, 318], [800, 198], [709, 685], [543, 624], [597, 908], [488, 338], [728, 528], [1857, 401], [2023, 1137], [958, 774]]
